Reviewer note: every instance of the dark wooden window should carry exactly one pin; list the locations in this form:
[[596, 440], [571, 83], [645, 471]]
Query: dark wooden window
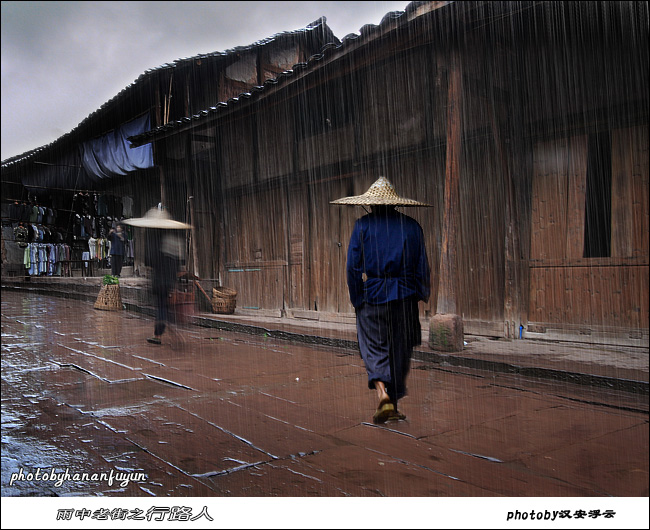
[[598, 201]]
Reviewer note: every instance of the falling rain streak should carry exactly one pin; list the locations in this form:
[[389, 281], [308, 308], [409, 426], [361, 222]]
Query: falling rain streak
[[524, 125]]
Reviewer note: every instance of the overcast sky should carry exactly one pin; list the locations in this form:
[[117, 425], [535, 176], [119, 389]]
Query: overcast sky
[[61, 61]]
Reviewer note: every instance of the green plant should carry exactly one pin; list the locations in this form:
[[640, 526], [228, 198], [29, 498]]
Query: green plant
[[110, 280]]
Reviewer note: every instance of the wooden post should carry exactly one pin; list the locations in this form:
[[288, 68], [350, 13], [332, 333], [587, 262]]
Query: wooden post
[[448, 280], [195, 257], [158, 120], [163, 195], [446, 326], [512, 285]]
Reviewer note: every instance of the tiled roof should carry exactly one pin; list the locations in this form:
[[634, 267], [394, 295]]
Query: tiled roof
[[327, 50], [317, 24]]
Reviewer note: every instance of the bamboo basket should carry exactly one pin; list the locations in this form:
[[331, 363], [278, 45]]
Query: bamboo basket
[[109, 298], [224, 300]]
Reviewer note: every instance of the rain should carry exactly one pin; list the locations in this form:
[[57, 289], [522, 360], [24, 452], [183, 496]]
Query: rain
[[523, 129]]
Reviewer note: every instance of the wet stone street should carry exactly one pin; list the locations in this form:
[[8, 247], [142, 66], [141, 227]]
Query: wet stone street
[[212, 413]]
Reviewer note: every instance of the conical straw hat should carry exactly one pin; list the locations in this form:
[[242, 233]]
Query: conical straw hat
[[381, 192], [156, 218]]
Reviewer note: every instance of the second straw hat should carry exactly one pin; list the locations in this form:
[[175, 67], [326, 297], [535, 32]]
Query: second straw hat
[[156, 217], [381, 192]]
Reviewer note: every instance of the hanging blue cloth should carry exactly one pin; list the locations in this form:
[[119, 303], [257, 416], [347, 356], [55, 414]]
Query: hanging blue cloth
[[111, 155]]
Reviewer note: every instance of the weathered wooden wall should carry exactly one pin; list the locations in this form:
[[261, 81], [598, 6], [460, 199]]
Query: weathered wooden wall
[[393, 98], [206, 215], [630, 192], [256, 246], [275, 139], [298, 274], [482, 235], [558, 198], [566, 287], [396, 130], [591, 295], [523, 183], [237, 152], [329, 231]]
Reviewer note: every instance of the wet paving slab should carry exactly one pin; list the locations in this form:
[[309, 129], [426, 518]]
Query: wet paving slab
[[466, 472], [217, 413]]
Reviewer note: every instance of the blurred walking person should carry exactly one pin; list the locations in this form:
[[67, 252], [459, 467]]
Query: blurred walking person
[[164, 254], [164, 258]]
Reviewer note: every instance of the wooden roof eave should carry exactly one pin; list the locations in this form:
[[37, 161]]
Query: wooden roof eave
[[333, 54]]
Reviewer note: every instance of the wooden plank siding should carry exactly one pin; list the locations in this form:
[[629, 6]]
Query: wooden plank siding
[[384, 125], [327, 148], [258, 286], [237, 152], [589, 296], [329, 233], [207, 217], [567, 289], [256, 247], [576, 195], [275, 139], [482, 235], [298, 279], [390, 143], [553, 177], [630, 192]]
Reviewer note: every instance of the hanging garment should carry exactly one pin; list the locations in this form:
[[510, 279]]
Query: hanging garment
[[92, 247], [27, 255], [33, 259], [51, 260]]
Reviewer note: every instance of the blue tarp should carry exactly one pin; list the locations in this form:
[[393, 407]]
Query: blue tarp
[[94, 161], [112, 155]]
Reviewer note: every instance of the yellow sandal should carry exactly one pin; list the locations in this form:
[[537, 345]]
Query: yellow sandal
[[384, 411]]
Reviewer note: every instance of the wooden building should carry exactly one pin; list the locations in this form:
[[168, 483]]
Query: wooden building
[[550, 134], [79, 165], [525, 124]]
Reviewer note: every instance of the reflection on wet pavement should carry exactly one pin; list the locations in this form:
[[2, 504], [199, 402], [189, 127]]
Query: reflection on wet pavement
[[217, 413]]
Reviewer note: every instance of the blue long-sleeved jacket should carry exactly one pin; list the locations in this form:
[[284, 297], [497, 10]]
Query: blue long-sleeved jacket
[[389, 248]]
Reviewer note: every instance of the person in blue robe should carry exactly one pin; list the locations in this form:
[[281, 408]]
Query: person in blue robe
[[388, 273]]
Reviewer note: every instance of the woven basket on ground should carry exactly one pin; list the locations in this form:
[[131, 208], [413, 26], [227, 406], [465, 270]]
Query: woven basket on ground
[[109, 298], [224, 300]]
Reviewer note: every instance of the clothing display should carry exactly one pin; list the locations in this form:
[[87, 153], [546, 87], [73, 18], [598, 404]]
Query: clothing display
[[41, 259], [80, 222]]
